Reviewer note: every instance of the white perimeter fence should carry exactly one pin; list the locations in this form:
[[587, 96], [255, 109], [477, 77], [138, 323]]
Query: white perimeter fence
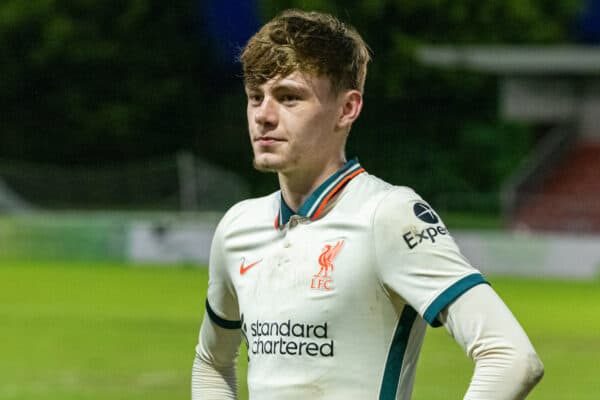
[[185, 238]]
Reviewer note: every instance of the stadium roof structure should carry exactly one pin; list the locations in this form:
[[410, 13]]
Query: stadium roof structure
[[542, 84], [558, 86], [516, 60]]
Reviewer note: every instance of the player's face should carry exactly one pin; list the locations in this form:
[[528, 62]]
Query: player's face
[[293, 123]]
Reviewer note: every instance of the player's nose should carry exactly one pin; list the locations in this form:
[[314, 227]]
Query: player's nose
[[266, 113]]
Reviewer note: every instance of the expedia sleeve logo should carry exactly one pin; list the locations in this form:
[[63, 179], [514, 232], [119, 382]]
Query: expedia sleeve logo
[[425, 213]]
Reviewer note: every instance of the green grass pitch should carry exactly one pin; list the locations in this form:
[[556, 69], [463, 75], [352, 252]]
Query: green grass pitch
[[87, 332]]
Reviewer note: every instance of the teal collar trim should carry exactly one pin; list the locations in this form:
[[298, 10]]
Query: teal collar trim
[[313, 206]]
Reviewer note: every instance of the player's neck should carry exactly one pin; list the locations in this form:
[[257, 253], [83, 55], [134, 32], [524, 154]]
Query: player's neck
[[296, 186]]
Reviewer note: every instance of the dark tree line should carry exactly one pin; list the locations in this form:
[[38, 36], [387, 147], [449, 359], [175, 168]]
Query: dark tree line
[[85, 82]]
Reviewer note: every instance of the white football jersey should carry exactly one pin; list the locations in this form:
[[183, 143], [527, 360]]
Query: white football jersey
[[333, 300]]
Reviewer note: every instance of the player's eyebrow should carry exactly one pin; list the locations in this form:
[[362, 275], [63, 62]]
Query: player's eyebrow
[[252, 89], [290, 86], [279, 86], [288, 83]]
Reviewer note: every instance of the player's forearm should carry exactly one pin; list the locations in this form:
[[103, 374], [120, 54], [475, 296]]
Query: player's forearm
[[212, 383], [506, 364], [213, 372]]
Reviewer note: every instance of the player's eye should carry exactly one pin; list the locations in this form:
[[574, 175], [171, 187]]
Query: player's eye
[[289, 98], [254, 98]]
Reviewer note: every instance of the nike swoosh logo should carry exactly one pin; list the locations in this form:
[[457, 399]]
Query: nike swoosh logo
[[245, 268]]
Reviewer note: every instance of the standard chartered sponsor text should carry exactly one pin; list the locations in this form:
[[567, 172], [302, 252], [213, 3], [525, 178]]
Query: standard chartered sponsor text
[[290, 338]]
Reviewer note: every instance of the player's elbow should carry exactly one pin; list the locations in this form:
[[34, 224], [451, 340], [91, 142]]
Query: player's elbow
[[528, 369], [535, 368]]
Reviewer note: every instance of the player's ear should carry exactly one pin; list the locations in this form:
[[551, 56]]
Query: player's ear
[[351, 103]]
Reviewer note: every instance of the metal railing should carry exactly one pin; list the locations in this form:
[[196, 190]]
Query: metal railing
[[536, 167]]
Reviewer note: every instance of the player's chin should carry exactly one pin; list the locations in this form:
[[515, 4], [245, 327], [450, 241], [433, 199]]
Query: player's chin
[[267, 162]]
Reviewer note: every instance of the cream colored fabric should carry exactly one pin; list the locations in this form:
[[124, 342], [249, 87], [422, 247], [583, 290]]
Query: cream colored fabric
[[506, 364]]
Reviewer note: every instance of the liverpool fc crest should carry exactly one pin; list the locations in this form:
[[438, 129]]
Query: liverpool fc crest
[[323, 280]]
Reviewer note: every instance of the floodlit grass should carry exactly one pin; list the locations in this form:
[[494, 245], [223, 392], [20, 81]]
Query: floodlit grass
[[98, 331], [101, 331]]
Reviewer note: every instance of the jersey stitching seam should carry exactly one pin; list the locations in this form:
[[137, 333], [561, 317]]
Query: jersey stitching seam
[[374, 243]]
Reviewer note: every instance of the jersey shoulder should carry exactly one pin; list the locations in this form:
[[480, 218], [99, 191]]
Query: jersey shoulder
[[364, 192], [372, 184], [385, 197], [251, 212], [377, 199], [405, 203]]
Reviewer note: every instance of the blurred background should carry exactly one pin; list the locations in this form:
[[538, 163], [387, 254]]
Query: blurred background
[[123, 140]]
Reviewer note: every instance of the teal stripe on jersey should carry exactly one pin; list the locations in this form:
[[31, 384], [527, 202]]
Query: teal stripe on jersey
[[393, 365], [223, 323], [449, 295], [318, 196]]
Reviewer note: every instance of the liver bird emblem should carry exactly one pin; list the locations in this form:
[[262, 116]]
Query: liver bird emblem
[[326, 258]]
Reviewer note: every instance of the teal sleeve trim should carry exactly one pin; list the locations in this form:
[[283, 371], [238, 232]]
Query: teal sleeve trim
[[449, 295], [223, 323]]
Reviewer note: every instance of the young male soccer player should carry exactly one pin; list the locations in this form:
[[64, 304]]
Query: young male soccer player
[[332, 280]]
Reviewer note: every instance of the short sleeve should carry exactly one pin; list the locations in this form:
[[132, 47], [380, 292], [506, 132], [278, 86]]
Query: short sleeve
[[416, 257], [221, 302]]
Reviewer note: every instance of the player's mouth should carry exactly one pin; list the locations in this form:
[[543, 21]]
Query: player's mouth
[[268, 140]]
